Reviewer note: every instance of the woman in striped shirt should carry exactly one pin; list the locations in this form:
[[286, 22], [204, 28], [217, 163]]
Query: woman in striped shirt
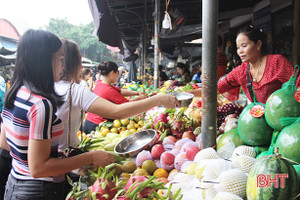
[[31, 126]]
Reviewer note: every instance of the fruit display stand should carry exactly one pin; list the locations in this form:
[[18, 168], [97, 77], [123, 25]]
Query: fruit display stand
[[176, 166]]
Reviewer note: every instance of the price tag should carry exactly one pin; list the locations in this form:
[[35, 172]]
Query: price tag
[[297, 95], [257, 111]]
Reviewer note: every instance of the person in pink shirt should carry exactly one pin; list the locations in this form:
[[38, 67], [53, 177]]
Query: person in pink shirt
[[267, 72], [106, 90]]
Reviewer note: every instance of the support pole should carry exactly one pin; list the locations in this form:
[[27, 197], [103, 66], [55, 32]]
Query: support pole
[[143, 72], [296, 31], [156, 31], [209, 71]]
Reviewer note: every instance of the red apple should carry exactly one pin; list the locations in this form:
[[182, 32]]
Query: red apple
[[156, 151], [189, 134], [191, 152]]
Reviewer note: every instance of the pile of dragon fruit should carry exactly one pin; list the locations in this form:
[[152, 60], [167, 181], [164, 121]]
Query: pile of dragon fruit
[[168, 122]]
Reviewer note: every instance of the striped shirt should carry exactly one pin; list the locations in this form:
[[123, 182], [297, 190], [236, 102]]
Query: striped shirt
[[31, 118]]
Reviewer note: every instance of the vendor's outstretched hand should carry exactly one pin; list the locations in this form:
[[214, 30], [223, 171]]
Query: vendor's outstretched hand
[[168, 101], [196, 92], [141, 96]]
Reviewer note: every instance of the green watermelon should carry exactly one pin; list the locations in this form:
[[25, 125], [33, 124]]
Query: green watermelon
[[288, 142], [297, 169], [254, 131], [271, 165], [231, 136], [281, 104]]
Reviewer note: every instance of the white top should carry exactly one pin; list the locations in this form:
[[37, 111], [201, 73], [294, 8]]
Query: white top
[[84, 83], [82, 98]]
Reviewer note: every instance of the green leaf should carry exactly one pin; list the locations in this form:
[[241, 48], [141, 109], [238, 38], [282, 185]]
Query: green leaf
[[103, 185], [70, 181]]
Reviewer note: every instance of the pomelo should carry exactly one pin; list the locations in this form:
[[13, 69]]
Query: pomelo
[[288, 142], [281, 104], [254, 131]]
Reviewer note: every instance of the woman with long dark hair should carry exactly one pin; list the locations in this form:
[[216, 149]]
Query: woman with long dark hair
[[83, 99], [32, 129]]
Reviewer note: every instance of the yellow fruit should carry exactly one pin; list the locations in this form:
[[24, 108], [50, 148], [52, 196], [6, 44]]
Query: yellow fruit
[[122, 133], [149, 166], [137, 126], [132, 122], [104, 131], [136, 119], [163, 89], [78, 133], [132, 130], [141, 123], [124, 122], [161, 173], [130, 126], [103, 127], [117, 123], [114, 130], [126, 133]]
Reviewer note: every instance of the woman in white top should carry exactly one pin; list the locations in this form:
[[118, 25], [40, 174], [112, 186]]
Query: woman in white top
[[86, 79], [83, 99]]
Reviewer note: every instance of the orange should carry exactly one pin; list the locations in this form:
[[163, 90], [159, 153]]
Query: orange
[[122, 129], [161, 173]]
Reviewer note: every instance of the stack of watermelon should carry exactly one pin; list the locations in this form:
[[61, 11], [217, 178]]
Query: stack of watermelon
[[282, 113]]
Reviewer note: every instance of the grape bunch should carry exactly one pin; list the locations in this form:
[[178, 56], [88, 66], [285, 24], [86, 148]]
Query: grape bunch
[[227, 109], [176, 83]]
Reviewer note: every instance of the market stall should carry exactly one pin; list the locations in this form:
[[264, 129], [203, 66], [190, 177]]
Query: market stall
[[161, 150]]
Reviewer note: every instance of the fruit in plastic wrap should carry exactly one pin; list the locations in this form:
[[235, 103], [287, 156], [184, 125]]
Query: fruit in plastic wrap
[[233, 181], [207, 153], [244, 150]]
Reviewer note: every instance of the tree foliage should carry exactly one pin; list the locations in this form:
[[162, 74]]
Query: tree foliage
[[89, 46]]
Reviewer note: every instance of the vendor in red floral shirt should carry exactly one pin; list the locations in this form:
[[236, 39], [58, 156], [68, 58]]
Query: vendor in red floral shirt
[[267, 72], [106, 90]]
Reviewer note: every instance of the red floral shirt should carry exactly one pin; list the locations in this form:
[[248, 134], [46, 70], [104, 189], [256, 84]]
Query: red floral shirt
[[278, 70]]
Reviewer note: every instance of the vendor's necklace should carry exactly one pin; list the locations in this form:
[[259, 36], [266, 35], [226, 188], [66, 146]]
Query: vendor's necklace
[[254, 78]]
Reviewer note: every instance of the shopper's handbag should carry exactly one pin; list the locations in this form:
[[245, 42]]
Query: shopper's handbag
[[70, 150]]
